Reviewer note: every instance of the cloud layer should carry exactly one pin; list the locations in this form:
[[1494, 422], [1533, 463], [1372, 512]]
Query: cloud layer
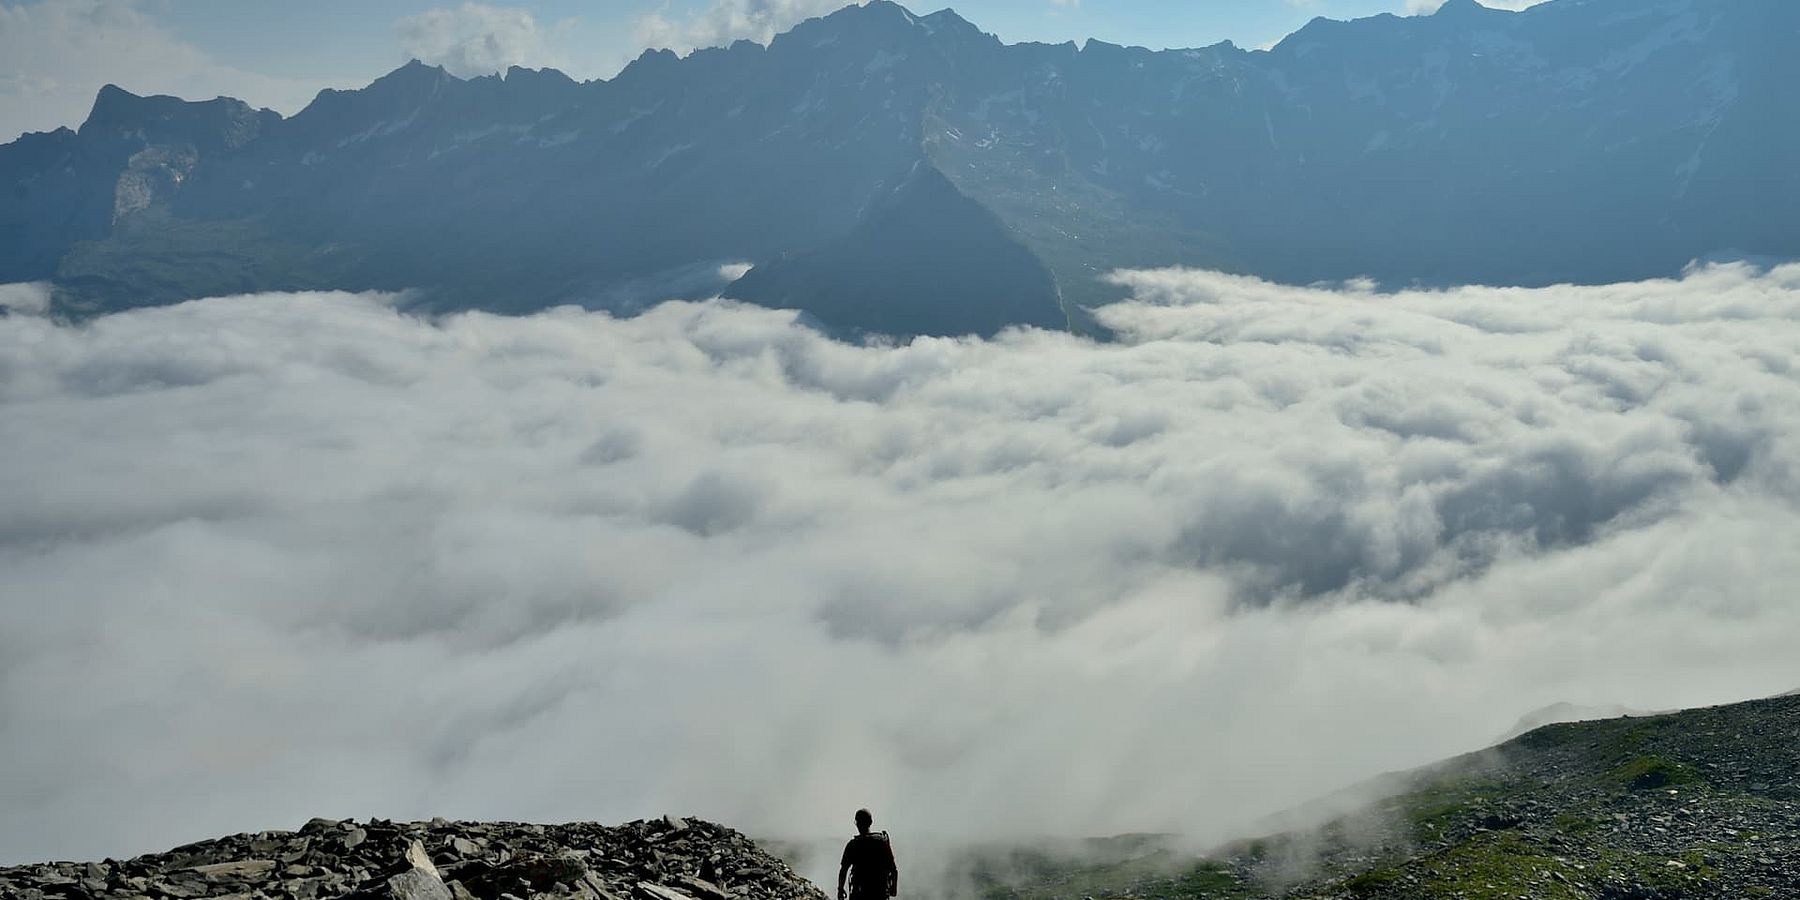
[[264, 558]]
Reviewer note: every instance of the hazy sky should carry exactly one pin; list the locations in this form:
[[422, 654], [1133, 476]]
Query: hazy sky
[[54, 54]]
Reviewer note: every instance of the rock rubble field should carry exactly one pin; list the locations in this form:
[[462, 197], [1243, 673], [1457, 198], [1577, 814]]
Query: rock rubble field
[[658, 859]]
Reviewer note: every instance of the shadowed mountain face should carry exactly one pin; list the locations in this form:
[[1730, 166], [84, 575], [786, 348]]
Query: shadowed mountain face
[[923, 259], [892, 172]]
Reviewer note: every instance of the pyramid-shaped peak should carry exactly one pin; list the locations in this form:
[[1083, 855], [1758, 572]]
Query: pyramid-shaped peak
[[414, 71], [859, 24], [946, 18], [1454, 8], [885, 20], [409, 85], [885, 12]]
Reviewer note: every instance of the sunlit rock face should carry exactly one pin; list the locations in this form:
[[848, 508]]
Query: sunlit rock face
[[1580, 142]]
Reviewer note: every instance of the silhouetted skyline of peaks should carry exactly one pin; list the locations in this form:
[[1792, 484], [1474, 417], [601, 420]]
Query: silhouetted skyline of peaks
[[1577, 140]]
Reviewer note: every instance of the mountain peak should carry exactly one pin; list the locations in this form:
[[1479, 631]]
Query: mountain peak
[[415, 71], [946, 18], [546, 75], [883, 12], [879, 22], [392, 96], [221, 121], [411, 83], [945, 25], [886, 8], [649, 62], [110, 104], [884, 20], [1458, 8]]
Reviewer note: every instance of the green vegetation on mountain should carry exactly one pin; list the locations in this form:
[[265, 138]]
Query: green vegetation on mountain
[[1697, 804]]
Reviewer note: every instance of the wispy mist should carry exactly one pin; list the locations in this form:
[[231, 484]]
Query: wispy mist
[[265, 558]]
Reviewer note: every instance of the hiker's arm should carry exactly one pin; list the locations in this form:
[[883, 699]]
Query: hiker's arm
[[893, 885], [843, 869]]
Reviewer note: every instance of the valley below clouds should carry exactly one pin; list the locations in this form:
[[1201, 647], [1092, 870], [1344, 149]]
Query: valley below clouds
[[264, 558]]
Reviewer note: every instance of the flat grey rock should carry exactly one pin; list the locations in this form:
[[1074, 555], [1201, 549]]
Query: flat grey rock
[[418, 884]]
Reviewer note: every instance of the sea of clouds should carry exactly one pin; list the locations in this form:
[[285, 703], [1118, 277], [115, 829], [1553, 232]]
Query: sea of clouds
[[270, 557]]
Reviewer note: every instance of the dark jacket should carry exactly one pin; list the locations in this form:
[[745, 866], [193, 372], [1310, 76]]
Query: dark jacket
[[870, 858]]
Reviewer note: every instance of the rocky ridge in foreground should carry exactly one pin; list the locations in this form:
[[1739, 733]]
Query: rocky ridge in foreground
[[1702, 804], [659, 859]]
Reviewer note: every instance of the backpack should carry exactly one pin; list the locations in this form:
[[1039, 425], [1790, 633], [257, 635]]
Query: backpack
[[881, 857]]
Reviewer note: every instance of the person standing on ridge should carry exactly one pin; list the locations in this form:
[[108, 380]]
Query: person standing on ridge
[[869, 861]]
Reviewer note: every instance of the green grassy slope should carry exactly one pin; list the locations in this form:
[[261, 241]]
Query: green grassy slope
[[1697, 804]]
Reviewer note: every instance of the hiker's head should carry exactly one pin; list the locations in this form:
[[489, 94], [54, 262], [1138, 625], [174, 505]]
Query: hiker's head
[[864, 820]]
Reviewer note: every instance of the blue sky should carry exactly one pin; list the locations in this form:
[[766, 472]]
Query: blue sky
[[54, 54]]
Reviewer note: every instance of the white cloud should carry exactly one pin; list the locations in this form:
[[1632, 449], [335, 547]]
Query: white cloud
[[477, 39], [1427, 7], [265, 558], [730, 20], [29, 297], [56, 54]]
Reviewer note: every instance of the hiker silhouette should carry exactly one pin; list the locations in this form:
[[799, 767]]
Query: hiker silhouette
[[869, 862]]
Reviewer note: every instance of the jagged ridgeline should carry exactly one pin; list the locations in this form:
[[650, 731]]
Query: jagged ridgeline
[[660, 859], [909, 173]]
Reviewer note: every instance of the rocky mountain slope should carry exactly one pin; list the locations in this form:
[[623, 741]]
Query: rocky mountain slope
[[1696, 804], [663, 859], [891, 171]]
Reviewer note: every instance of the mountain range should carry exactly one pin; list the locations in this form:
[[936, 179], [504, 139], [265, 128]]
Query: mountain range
[[906, 174]]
